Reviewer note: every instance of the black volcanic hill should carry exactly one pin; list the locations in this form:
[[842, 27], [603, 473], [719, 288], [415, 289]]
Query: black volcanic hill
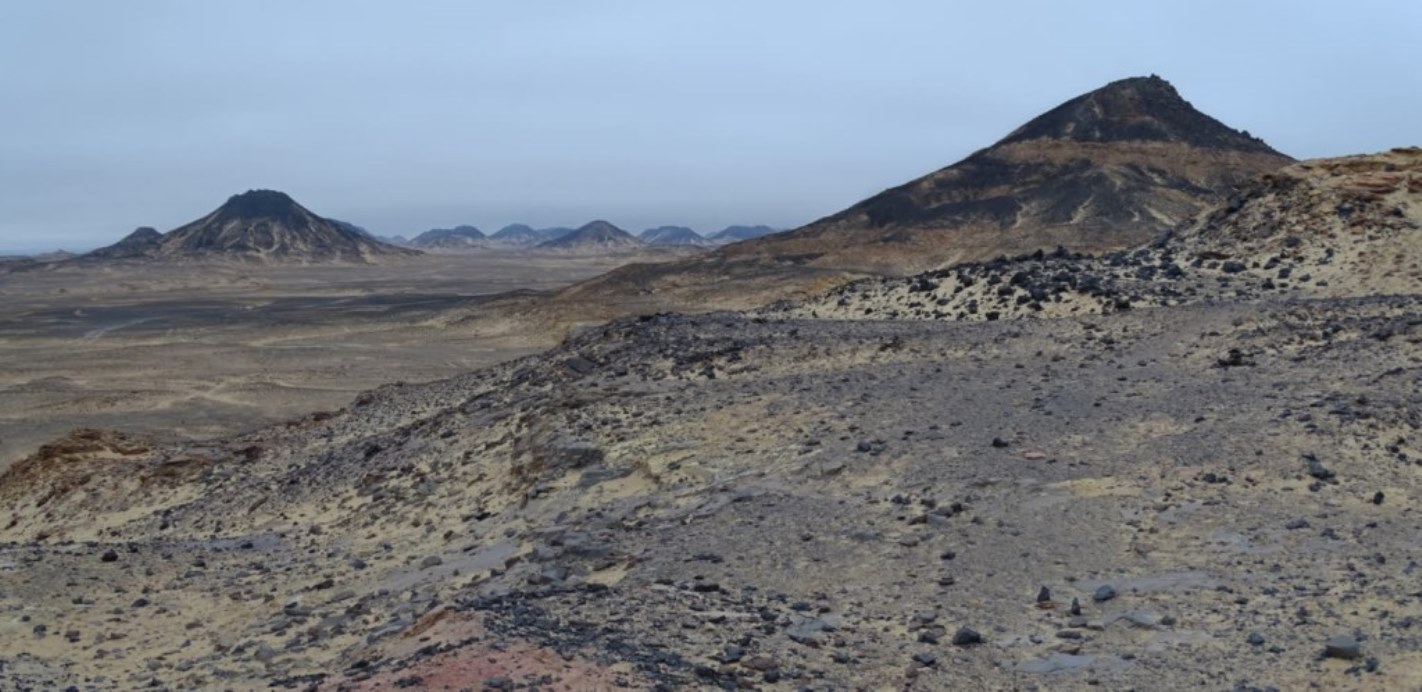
[[554, 232], [735, 234], [594, 236], [141, 243], [672, 235], [261, 226], [1110, 169], [459, 237], [517, 234]]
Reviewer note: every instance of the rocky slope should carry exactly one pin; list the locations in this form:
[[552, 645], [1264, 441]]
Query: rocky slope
[[594, 236], [142, 243], [1213, 492], [256, 226], [1328, 228], [720, 502]]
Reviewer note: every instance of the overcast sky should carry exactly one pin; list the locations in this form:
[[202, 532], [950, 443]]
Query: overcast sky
[[402, 116]]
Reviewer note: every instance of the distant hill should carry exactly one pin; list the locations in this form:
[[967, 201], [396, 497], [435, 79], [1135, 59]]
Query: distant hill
[[597, 236], [142, 243], [457, 238], [517, 234], [554, 233], [672, 235], [398, 240], [256, 226], [735, 234]]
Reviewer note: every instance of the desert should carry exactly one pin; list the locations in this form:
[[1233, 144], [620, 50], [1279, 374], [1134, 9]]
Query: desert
[[1125, 398]]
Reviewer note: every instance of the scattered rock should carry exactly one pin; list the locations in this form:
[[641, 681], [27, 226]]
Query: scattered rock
[[966, 636], [1343, 646]]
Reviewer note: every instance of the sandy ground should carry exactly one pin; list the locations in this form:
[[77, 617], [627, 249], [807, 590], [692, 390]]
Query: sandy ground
[[200, 351]]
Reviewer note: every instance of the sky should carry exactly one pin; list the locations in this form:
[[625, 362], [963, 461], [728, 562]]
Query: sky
[[403, 116]]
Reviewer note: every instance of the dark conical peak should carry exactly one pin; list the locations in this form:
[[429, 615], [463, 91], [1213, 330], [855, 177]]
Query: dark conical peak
[[1147, 109], [599, 226], [253, 204]]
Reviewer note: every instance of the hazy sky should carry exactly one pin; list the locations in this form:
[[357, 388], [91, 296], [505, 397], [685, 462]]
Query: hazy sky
[[402, 116]]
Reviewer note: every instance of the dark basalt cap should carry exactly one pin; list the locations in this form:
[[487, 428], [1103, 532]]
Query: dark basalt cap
[[1135, 109]]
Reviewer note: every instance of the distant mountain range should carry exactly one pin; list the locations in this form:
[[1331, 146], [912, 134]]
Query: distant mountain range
[[466, 238]]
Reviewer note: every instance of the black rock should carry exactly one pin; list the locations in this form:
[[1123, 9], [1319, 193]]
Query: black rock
[[1075, 607], [1317, 469], [1342, 646], [966, 637], [1044, 596], [1255, 639], [998, 442], [1103, 593], [109, 556], [925, 659]]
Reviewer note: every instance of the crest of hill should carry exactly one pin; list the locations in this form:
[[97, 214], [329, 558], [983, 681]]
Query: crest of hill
[[450, 238], [1107, 170], [672, 235], [256, 226], [143, 242], [594, 236], [517, 234]]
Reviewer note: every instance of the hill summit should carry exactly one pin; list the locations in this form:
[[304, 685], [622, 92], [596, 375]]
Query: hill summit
[[457, 238], [257, 225], [596, 235]]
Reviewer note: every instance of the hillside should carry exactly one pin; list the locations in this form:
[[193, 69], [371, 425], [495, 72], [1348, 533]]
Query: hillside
[[1209, 495], [1330, 228], [1107, 170], [143, 242]]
